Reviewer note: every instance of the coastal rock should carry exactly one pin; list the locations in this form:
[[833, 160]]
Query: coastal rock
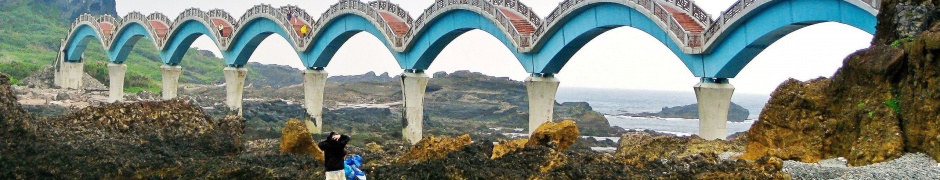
[[431, 147], [558, 136], [505, 147], [793, 129], [880, 104], [736, 113], [296, 140], [589, 122], [638, 147]]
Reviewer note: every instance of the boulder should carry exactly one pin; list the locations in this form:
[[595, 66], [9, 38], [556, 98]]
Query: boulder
[[62, 96], [794, 129], [558, 136], [296, 140], [430, 148]]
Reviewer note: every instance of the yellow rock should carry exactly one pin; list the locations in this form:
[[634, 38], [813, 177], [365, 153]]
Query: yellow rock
[[505, 147], [432, 147], [558, 136], [296, 140]]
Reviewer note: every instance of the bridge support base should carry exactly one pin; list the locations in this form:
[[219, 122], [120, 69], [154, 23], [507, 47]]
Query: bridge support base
[[714, 100], [413, 86], [116, 74], [541, 100], [171, 77], [314, 83], [234, 87], [70, 75]]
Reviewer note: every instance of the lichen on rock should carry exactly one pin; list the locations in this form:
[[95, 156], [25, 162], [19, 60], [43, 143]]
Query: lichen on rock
[[431, 147], [505, 147], [295, 139], [880, 104], [558, 136]]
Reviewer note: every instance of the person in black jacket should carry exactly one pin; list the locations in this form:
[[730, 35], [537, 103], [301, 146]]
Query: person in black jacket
[[334, 152]]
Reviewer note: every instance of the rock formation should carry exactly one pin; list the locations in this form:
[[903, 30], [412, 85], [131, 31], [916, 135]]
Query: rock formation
[[736, 113], [881, 103], [557, 136], [432, 147], [296, 140]]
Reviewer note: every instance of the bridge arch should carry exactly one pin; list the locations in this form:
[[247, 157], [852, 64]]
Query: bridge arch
[[83, 30], [250, 34], [334, 32], [182, 36], [586, 22], [747, 37], [126, 38], [444, 27]]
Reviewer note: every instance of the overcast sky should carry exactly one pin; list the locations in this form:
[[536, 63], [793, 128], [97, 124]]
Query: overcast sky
[[623, 58]]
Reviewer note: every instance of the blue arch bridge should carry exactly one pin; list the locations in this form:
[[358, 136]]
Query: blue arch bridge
[[713, 49]]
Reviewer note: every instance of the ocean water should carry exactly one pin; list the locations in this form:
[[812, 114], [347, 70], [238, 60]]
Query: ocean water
[[618, 101]]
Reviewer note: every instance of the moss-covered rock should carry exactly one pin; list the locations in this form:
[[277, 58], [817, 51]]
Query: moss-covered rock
[[883, 101], [558, 136], [296, 140], [505, 147], [431, 147]]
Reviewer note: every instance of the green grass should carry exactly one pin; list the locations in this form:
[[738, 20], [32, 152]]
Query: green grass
[[30, 33]]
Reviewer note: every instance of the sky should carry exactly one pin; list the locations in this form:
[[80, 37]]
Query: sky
[[605, 62]]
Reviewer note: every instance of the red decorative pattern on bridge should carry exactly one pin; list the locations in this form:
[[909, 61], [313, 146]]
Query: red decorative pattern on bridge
[[521, 23], [226, 27], [686, 21], [398, 26], [106, 28], [160, 28]]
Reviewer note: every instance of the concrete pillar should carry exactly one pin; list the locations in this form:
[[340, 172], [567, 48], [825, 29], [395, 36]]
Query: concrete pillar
[[413, 86], [541, 100], [314, 83], [70, 75], [714, 100], [234, 87], [171, 77], [116, 74]]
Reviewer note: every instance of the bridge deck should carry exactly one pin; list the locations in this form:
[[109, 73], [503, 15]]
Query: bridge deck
[[398, 26], [226, 27], [106, 28], [685, 20], [521, 23], [160, 28]]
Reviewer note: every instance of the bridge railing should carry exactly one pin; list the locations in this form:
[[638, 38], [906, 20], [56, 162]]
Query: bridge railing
[[525, 40], [739, 7], [163, 19], [685, 37], [483, 5], [392, 8], [726, 16], [873, 3], [345, 6]]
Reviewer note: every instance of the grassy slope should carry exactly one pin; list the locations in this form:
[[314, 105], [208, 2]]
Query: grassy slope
[[30, 33]]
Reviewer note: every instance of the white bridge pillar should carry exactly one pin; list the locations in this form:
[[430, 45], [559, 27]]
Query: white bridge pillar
[[314, 84], [714, 100], [413, 86], [116, 74], [541, 93], [171, 77], [69, 75], [234, 87]]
